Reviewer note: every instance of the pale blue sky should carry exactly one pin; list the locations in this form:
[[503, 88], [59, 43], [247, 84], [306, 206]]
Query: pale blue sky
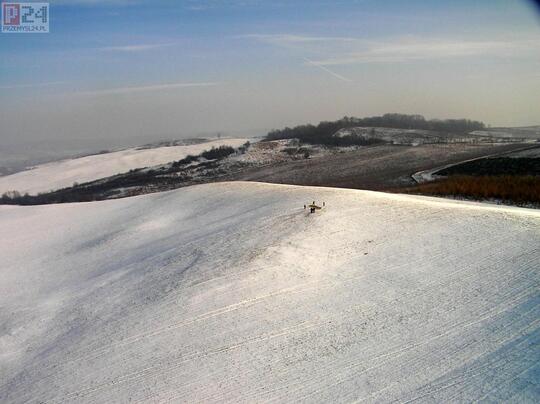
[[114, 72]]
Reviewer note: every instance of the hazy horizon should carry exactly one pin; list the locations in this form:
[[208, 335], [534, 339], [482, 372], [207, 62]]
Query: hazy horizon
[[120, 73]]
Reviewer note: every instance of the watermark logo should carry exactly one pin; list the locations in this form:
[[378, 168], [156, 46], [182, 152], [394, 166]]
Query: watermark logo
[[25, 18]]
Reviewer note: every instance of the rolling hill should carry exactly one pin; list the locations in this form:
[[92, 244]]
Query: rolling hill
[[233, 292], [64, 173]]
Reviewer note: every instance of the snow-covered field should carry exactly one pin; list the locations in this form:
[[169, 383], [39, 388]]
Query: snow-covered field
[[526, 132], [61, 174], [232, 292], [415, 137]]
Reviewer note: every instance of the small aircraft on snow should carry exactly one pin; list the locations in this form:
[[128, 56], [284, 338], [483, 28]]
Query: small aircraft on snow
[[314, 207]]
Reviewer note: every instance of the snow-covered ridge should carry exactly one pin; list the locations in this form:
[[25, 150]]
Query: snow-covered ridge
[[530, 132], [233, 292], [417, 137], [61, 174]]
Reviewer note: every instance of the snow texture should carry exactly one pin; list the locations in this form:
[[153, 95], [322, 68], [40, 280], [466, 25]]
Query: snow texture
[[62, 174], [232, 292]]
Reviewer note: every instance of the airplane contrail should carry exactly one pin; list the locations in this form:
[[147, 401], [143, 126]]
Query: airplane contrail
[[325, 69]]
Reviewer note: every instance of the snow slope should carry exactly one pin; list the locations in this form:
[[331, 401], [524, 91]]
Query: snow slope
[[232, 292], [61, 174]]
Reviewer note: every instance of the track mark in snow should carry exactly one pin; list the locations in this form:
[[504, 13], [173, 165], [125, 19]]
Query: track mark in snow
[[159, 369]]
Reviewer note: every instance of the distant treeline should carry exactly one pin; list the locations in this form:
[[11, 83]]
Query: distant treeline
[[324, 132]]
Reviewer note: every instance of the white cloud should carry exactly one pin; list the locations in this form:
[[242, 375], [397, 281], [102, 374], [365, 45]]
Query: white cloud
[[32, 85], [93, 2], [158, 87], [283, 39], [135, 48], [347, 50], [418, 49]]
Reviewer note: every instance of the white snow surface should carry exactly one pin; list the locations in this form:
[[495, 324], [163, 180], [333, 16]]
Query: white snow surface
[[64, 173], [231, 292]]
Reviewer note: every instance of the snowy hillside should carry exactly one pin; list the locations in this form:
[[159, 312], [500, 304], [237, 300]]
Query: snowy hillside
[[232, 292], [415, 137], [526, 132], [61, 174]]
